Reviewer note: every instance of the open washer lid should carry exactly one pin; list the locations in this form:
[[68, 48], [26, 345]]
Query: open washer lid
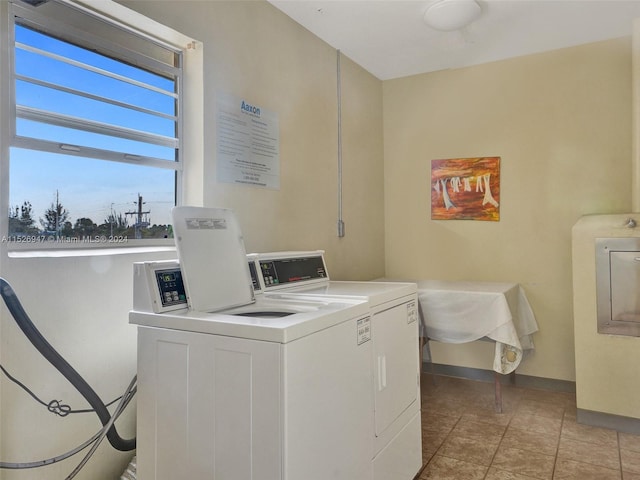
[[212, 257]]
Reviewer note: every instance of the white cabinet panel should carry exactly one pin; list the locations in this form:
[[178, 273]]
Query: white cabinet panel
[[208, 407], [395, 363]]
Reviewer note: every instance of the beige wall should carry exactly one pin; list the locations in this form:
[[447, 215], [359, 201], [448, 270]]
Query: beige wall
[[561, 123], [251, 50]]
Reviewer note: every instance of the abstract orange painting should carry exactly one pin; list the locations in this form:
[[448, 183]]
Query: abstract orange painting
[[465, 189]]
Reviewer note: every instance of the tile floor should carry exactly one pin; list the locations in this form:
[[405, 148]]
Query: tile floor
[[537, 436]]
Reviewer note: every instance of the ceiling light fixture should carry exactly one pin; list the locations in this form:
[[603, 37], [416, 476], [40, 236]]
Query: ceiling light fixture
[[447, 15]]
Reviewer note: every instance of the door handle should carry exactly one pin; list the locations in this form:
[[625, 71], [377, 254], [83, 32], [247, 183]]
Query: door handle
[[382, 372]]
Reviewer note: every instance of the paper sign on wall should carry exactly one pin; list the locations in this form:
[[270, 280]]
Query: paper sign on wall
[[247, 143]]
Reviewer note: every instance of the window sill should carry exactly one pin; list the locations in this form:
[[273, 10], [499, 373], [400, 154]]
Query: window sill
[[87, 252]]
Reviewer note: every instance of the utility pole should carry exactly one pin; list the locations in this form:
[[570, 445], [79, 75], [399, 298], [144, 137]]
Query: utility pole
[[141, 220], [57, 215]]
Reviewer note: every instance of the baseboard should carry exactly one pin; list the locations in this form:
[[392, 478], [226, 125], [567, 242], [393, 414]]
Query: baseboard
[[479, 374], [608, 420]]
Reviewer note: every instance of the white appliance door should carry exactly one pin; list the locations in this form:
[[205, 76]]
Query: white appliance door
[[208, 407], [213, 258], [395, 340], [327, 393]]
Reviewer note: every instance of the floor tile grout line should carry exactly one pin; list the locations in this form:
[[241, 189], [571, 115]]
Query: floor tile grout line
[[499, 443], [555, 459], [619, 454]]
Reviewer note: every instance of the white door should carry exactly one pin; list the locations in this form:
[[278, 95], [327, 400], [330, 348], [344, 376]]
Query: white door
[[328, 405], [395, 343]]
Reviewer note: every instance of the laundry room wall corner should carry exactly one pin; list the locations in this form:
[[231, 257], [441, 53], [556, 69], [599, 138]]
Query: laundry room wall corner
[[535, 112], [255, 52]]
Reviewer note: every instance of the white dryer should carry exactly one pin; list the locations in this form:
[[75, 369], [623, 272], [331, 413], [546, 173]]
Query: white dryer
[[264, 388], [393, 308]]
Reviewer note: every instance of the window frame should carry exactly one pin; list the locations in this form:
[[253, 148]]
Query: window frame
[[141, 26]]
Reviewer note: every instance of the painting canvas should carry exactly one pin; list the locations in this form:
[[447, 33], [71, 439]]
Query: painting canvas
[[465, 189]]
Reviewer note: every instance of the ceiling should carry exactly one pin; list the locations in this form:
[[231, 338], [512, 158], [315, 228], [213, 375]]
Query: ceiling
[[390, 39]]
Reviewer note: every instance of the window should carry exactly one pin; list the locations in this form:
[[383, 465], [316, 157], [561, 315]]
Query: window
[[96, 150]]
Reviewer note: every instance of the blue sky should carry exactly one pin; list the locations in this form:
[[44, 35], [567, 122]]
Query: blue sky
[[88, 188]]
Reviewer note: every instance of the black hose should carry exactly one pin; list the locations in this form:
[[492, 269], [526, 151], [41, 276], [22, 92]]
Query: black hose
[[50, 353]]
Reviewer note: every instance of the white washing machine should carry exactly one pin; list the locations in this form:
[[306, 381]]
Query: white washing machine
[[245, 387], [393, 308]]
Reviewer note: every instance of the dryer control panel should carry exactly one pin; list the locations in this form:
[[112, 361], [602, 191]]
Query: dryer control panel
[[288, 271]]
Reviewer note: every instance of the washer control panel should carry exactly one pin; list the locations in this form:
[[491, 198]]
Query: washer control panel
[[158, 287], [171, 288]]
